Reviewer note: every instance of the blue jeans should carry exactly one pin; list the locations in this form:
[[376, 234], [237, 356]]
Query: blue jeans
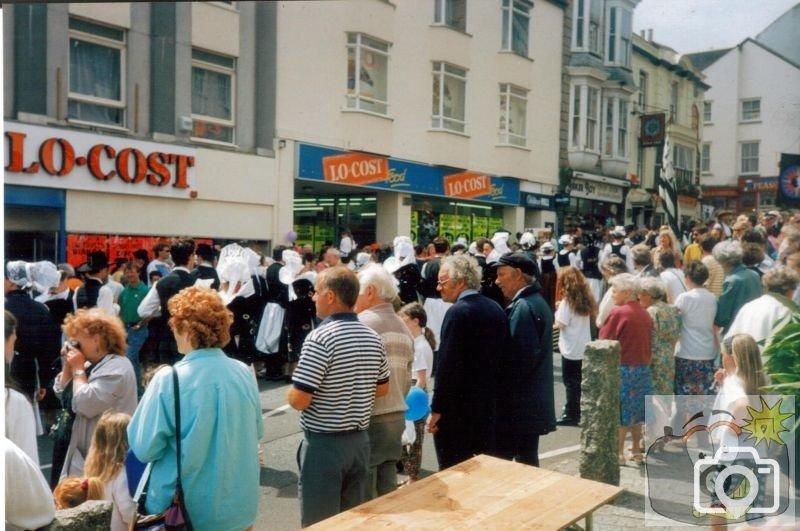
[[136, 339]]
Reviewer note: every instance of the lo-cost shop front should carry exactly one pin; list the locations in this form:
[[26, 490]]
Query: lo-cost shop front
[[69, 192], [377, 198]]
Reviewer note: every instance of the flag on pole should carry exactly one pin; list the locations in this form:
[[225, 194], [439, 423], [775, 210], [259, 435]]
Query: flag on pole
[[668, 189]]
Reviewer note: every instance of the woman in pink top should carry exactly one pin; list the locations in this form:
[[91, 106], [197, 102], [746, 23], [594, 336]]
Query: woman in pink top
[[630, 324]]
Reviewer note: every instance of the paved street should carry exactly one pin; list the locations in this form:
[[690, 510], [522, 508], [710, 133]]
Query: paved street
[[279, 509]]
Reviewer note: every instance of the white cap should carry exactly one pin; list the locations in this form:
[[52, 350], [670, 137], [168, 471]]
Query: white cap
[[565, 239], [527, 238]]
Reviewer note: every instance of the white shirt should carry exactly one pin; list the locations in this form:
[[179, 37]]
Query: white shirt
[[423, 357], [698, 342], [757, 318], [116, 491], [29, 501], [605, 307], [575, 331], [675, 281], [157, 265], [346, 245], [731, 391], [21, 424]]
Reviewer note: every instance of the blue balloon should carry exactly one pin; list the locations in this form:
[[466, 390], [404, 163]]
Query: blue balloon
[[417, 402]]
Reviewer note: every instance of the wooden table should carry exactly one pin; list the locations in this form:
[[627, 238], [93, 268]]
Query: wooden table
[[486, 493]]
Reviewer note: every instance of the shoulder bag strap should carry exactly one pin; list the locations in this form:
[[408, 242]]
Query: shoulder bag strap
[[176, 390]]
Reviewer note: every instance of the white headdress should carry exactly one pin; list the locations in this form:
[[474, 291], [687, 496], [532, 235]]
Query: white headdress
[[235, 267]]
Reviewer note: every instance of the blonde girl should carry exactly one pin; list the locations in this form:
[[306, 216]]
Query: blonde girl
[[106, 463], [73, 491]]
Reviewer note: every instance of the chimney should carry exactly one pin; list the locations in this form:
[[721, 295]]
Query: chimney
[[644, 34], [650, 35]]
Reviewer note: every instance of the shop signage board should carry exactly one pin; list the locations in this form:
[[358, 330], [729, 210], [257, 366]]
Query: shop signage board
[[73, 160], [537, 201], [597, 191], [319, 163]]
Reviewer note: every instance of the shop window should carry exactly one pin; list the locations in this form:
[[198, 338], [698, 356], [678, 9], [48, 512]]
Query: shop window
[[96, 74], [452, 13], [619, 29], [587, 14], [513, 110], [516, 16], [751, 110], [449, 97], [213, 97], [369, 58], [749, 157]]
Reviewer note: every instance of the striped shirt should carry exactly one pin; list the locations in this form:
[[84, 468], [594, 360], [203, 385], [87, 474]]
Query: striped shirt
[[341, 363]]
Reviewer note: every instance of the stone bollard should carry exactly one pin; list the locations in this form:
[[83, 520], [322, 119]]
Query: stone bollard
[[600, 412], [93, 515]]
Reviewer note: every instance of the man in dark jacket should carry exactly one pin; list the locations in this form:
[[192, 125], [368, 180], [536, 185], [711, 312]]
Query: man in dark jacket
[[526, 410], [474, 340]]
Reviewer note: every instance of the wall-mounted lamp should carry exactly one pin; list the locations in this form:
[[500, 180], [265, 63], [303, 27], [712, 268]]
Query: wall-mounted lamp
[[281, 144]]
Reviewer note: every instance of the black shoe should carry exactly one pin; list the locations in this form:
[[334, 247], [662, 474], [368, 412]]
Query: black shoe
[[568, 421]]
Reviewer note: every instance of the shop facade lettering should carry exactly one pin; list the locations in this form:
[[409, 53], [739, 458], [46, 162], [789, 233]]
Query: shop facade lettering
[[597, 191], [54, 158]]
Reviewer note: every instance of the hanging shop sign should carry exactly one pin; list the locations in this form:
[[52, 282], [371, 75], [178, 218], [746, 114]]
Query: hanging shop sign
[[651, 129], [72, 160], [319, 163], [597, 191]]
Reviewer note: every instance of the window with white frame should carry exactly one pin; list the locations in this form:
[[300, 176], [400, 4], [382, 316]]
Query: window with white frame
[[751, 110], [619, 28], [642, 91], [707, 112], [367, 73], [452, 13], [213, 96], [585, 118], [513, 110], [588, 15], [615, 141], [705, 158], [96, 73], [516, 16], [683, 163], [673, 101], [592, 118], [749, 157], [449, 97]]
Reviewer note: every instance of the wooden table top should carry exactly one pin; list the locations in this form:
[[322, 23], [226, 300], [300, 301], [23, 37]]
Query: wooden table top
[[483, 492]]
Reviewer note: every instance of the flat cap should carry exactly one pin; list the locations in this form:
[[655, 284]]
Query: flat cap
[[519, 261]]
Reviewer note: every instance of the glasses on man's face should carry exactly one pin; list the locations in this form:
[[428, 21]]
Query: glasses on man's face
[[443, 282]]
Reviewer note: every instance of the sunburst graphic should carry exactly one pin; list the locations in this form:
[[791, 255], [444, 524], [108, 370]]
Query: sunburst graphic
[[767, 424]]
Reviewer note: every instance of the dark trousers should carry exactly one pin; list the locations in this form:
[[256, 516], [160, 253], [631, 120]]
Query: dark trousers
[[571, 376], [463, 437], [519, 447], [333, 473]]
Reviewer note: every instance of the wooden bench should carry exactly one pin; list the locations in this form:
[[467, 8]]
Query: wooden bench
[[482, 493]]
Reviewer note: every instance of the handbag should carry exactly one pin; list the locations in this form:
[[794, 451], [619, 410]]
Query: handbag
[[175, 517]]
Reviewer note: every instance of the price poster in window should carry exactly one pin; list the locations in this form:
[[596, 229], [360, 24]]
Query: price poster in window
[[453, 226], [305, 235], [495, 224], [480, 227], [414, 225], [80, 245], [322, 235]]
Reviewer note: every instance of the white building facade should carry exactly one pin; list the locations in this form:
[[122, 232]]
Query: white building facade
[[419, 117]]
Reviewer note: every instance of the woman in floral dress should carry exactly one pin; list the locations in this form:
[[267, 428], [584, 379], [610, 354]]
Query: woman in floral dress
[[666, 332]]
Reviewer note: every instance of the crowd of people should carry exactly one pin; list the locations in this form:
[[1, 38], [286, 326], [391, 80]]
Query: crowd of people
[[116, 358]]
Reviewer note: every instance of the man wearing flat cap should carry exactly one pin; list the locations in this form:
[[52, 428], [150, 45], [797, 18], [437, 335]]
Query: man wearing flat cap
[[527, 409]]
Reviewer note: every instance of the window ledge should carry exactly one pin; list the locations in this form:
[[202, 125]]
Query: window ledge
[[708, 123], [226, 7], [452, 28], [511, 52], [449, 131], [706, 173], [93, 125], [513, 146], [750, 121], [369, 113], [214, 143]]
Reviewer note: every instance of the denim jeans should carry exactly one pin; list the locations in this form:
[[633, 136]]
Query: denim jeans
[[136, 339]]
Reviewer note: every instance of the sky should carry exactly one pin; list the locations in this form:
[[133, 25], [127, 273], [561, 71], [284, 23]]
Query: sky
[[701, 25]]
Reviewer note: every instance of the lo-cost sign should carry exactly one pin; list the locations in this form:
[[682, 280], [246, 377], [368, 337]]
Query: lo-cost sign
[[59, 158], [373, 171]]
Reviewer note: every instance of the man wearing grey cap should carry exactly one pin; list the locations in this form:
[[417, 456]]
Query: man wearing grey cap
[[527, 411]]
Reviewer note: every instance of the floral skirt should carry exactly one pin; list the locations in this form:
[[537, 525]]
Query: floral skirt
[[635, 384], [694, 377]]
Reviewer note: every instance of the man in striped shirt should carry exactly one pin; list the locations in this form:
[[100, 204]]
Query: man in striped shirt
[[342, 368]]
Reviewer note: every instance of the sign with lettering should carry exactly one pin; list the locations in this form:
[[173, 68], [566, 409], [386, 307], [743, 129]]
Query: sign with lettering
[[60, 158], [319, 163], [597, 191], [355, 168], [537, 201]]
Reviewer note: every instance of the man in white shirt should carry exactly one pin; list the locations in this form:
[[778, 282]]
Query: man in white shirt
[[161, 261]]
